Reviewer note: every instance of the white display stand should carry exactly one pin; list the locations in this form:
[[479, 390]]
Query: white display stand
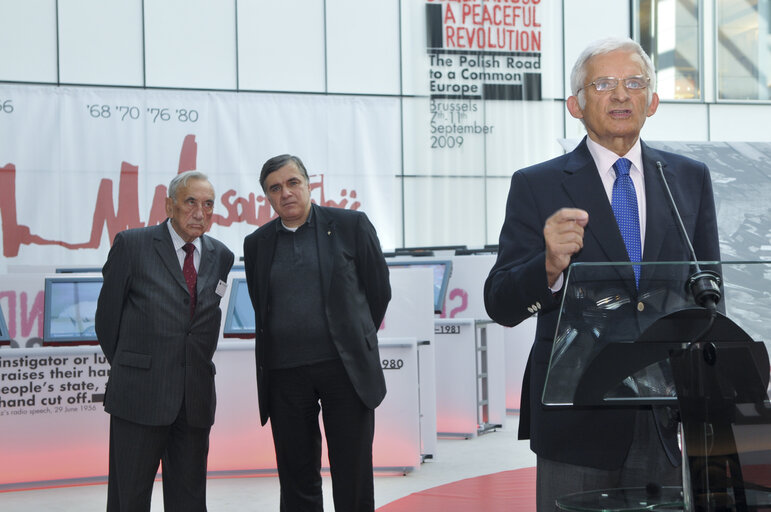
[[465, 295], [518, 341], [470, 397], [492, 336], [397, 445], [465, 291], [411, 314], [239, 446], [55, 430], [22, 299]]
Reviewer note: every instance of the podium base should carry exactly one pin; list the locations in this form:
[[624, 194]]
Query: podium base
[[628, 499], [658, 498]]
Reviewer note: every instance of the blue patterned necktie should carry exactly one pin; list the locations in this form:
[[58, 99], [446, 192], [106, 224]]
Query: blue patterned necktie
[[624, 204]]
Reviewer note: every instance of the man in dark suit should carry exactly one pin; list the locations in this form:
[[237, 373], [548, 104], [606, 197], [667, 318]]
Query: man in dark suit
[[157, 321], [562, 211], [319, 285]]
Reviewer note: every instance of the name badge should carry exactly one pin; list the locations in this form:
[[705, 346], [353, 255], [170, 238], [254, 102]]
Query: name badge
[[222, 287]]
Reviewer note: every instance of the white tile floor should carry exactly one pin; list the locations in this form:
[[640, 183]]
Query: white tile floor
[[455, 459]]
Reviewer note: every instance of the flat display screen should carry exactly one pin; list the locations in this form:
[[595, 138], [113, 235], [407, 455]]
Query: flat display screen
[[239, 319], [78, 270], [442, 272], [5, 336], [70, 309]]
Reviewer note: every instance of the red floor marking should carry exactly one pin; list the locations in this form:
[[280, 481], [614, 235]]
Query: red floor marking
[[499, 492]]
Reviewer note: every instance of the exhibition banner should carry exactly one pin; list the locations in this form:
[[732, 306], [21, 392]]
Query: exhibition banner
[[78, 165]]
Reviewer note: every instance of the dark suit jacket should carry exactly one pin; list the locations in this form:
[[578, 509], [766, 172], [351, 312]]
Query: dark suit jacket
[[355, 288], [588, 437], [157, 353]]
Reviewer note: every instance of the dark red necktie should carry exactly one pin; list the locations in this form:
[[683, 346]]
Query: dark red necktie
[[188, 270]]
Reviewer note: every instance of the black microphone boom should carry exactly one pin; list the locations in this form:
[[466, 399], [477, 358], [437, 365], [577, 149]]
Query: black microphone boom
[[704, 285]]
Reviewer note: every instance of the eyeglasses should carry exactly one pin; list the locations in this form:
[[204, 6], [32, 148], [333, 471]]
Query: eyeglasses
[[608, 83]]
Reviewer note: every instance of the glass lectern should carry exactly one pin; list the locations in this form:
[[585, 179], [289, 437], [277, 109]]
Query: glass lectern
[[618, 344]]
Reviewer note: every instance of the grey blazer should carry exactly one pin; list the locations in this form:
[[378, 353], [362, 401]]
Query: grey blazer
[[157, 353]]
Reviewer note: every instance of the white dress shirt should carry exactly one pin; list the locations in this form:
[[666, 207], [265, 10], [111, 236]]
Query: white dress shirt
[[604, 160], [179, 243]]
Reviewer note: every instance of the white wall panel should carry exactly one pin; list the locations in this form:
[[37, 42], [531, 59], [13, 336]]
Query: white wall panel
[[100, 42], [497, 194], [574, 128], [432, 143], [281, 45], [444, 211], [190, 43], [551, 49], [747, 123], [525, 133], [678, 121], [415, 58], [28, 41], [462, 153], [363, 46], [589, 20]]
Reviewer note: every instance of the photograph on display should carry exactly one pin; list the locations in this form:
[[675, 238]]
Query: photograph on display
[[239, 319], [70, 309]]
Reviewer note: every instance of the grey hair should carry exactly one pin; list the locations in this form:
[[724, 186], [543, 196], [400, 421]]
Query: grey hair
[[181, 179], [277, 162], [578, 76]]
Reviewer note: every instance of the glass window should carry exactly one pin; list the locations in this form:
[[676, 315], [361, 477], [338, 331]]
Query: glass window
[[669, 32], [743, 50]]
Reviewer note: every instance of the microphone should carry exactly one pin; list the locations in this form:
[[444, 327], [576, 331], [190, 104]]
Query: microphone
[[704, 285]]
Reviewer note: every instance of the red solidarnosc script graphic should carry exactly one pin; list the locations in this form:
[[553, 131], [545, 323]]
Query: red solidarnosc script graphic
[[253, 209]]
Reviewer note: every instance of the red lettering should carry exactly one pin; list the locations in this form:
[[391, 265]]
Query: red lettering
[[127, 215], [487, 16], [449, 17], [449, 35], [158, 208], [533, 21], [466, 11], [517, 13], [11, 318], [342, 204], [31, 315], [463, 38], [455, 293], [463, 294], [242, 209], [264, 212], [14, 234], [188, 154], [252, 210]]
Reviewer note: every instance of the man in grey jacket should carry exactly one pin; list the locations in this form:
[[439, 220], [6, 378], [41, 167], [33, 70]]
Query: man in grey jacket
[[157, 321]]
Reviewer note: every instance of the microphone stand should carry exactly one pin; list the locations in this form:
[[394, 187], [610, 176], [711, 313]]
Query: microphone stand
[[704, 285]]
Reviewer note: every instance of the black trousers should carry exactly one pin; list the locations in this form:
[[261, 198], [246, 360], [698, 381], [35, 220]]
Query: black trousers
[[296, 396], [646, 463], [135, 453]]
